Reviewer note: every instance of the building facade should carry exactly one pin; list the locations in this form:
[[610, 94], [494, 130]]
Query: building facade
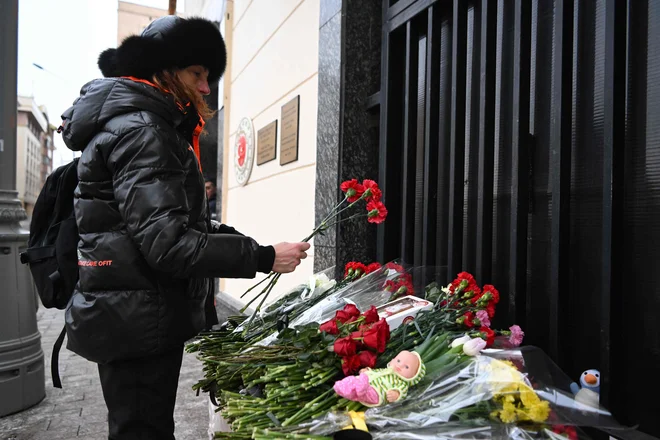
[[133, 18], [516, 140], [35, 146]]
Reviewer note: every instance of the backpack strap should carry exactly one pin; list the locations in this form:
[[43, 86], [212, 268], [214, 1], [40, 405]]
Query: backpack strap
[[36, 254], [55, 359]]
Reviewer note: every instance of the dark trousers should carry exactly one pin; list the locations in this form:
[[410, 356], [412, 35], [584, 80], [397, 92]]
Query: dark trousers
[[140, 396]]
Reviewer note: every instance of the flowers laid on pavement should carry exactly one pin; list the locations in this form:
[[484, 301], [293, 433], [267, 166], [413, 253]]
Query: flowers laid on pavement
[[280, 386]]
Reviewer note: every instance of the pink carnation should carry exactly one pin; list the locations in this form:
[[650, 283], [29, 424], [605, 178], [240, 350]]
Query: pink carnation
[[517, 335], [482, 316]]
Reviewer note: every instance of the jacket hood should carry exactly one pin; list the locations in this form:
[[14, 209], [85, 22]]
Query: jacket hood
[[104, 99]]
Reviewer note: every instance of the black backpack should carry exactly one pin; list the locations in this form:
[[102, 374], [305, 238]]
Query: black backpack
[[52, 252]]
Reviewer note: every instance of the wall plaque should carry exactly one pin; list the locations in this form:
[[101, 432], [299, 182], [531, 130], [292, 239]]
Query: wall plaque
[[267, 143], [244, 151], [289, 140]]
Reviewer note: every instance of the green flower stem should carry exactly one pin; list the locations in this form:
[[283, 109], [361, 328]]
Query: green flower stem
[[346, 219], [334, 213], [265, 296], [331, 212], [266, 289], [253, 287]]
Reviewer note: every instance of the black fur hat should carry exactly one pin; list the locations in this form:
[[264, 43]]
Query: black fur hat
[[168, 42]]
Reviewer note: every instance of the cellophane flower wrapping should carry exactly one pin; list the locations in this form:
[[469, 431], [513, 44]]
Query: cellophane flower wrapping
[[363, 293], [516, 393]]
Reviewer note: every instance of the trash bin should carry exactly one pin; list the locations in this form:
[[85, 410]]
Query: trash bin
[[22, 380]]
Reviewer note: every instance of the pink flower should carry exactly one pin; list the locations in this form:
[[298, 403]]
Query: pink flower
[[517, 335], [482, 316]]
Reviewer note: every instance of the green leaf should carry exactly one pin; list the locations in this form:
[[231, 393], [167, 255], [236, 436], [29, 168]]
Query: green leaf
[[304, 356]]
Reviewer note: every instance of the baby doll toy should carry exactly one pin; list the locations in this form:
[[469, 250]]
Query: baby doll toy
[[383, 385]]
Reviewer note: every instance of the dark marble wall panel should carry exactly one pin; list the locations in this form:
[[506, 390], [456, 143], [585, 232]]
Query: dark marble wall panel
[[358, 157], [327, 137], [347, 138]]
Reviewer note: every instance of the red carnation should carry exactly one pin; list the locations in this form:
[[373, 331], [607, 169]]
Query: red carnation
[[488, 335], [490, 308], [353, 189], [377, 212], [360, 268], [395, 267], [348, 314], [493, 292], [367, 359], [345, 346], [329, 327], [469, 316], [407, 283], [377, 335], [467, 280], [373, 267], [354, 267], [375, 192], [371, 315], [566, 431], [350, 364]]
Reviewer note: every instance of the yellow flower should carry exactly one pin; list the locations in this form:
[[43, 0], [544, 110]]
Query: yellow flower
[[508, 398], [508, 414], [539, 412], [528, 396], [521, 414]]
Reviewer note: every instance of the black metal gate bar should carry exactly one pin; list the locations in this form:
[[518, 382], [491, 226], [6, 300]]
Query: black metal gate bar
[[486, 141], [520, 145], [461, 196], [391, 106], [420, 48], [383, 135], [560, 168], [457, 145], [431, 135], [444, 99], [614, 92], [408, 160]]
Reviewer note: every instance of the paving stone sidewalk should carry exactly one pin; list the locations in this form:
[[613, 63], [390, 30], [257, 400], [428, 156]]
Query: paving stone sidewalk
[[78, 410]]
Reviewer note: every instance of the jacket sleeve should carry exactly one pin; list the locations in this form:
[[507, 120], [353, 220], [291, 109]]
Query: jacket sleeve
[[220, 228], [149, 187]]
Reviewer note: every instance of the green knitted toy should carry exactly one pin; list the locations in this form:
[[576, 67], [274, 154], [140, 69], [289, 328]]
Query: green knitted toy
[[383, 385]]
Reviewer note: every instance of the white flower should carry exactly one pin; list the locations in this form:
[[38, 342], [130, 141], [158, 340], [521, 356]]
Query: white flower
[[319, 284], [474, 346], [460, 341]]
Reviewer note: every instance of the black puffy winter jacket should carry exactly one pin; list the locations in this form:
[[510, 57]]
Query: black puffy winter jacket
[[148, 253]]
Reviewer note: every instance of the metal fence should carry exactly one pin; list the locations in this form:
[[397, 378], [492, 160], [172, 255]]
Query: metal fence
[[520, 141]]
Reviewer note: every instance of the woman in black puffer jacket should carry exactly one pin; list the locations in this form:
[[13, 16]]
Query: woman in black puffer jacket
[[148, 251]]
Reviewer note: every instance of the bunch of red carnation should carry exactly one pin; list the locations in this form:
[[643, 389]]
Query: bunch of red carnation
[[355, 269], [401, 284], [476, 305], [361, 337], [371, 193], [563, 430]]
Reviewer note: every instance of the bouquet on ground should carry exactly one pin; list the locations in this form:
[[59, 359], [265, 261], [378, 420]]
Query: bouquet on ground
[[360, 337], [467, 393], [290, 381]]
